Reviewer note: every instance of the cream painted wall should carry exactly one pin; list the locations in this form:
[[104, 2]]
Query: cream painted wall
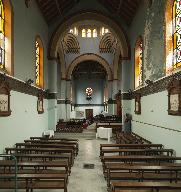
[[154, 111], [24, 120]]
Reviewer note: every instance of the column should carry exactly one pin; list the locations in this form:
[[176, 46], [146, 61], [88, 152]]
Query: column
[[52, 101]]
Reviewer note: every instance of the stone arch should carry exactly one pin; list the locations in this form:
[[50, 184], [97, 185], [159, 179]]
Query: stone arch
[[92, 57], [116, 28]]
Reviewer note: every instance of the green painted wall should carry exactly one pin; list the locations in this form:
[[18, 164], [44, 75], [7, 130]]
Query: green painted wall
[[154, 111], [24, 120], [149, 23], [28, 23]]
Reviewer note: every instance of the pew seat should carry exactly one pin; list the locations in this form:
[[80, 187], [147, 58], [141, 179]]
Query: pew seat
[[134, 185], [34, 185]]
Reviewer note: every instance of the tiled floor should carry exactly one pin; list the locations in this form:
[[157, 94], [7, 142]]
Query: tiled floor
[[87, 180]]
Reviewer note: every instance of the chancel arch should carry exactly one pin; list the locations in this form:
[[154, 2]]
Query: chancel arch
[[93, 57]]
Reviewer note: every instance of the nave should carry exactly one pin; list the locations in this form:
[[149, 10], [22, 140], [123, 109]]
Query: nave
[[128, 163]]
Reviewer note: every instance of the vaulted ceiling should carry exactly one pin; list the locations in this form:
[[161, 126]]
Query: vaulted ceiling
[[53, 9]]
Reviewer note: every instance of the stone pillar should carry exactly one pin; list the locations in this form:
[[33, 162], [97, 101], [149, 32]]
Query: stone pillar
[[52, 100], [114, 92], [68, 95], [110, 83]]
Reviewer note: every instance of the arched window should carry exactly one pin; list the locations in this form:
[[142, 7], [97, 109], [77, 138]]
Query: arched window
[[95, 33], [173, 35], [6, 62], [89, 33], [83, 33], [138, 62], [104, 30], [2, 37], [39, 63], [75, 31]]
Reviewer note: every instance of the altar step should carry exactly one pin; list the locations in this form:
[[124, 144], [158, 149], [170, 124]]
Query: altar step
[[85, 134]]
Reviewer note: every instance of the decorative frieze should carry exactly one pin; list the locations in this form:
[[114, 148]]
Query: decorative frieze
[[155, 87]]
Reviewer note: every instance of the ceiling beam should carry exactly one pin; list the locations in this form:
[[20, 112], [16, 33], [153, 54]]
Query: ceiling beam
[[58, 7]]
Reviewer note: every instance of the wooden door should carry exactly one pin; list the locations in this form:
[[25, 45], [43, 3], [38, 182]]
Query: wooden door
[[89, 113]]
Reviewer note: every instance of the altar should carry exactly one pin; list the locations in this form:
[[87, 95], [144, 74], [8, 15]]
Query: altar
[[104, 132]]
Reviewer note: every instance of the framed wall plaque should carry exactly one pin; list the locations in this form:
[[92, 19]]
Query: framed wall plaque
[[40, 108], [4, 99], [138, 103], [174, 97]]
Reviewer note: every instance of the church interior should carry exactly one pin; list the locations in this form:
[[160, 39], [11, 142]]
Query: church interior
[[90, 95]]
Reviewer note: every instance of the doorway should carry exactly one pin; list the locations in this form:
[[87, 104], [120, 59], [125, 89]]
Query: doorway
[[89, 113]]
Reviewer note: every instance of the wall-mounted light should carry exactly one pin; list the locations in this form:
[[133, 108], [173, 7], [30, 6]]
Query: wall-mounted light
[[148, 82], [130, 91], [29, 81]]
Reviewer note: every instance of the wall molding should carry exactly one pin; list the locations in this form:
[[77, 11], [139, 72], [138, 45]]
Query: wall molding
[[170, 129], [63, 101], [156, 87], [111, 101], [88, 105], [21, 86], [52, 96]]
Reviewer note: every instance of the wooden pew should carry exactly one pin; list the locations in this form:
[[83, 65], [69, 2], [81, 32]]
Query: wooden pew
[[37, 181], [53, 139], [43, 157], [143, 139], [143, 172], [121, 146], [75, 144], [42, 145], [8, 165], [41, 150], [141, 158], [133, 185], [144, 151]]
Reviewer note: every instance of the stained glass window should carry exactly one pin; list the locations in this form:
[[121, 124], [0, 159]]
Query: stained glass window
[[176, 34], [2, 36], [138, 62], [83, 33], [74, 31], [37, 64], [95, 33], [89, 33]]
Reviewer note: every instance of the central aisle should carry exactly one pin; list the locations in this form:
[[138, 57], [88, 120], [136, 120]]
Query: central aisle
[[87, 180]]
